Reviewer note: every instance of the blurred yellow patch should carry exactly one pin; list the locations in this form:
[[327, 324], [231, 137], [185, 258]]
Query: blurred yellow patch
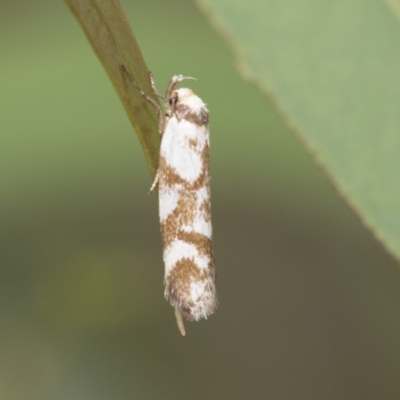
[[95, 289]]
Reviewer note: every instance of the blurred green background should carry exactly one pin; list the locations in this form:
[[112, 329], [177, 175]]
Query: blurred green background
[[309, 301]]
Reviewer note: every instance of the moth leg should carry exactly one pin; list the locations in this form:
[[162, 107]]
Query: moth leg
[[154, 184], [159, 110], [153, 85], [179, 322]]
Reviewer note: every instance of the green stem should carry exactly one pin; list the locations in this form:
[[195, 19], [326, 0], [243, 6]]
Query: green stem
[[112, 39]]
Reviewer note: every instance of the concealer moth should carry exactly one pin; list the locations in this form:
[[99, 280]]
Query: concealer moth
[[183, 179]]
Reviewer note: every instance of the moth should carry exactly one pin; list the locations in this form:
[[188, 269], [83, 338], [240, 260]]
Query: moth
[[183, 178]]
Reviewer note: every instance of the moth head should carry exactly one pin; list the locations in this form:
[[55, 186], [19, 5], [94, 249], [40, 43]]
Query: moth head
[[178, 96], [184, 93]]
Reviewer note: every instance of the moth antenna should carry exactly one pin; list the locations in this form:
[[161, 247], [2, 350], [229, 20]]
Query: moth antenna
[[153, 85], [174, 82]]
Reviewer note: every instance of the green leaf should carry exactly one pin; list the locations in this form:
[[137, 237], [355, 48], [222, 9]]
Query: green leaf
[[332, 69], [111, 37]]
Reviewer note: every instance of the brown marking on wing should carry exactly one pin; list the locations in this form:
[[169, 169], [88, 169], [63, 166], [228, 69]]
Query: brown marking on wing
[[182, 111], [205, 208], [177, 285], [201, 242], [193, 143], [168, 176], [184, 213], [178, 282]]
